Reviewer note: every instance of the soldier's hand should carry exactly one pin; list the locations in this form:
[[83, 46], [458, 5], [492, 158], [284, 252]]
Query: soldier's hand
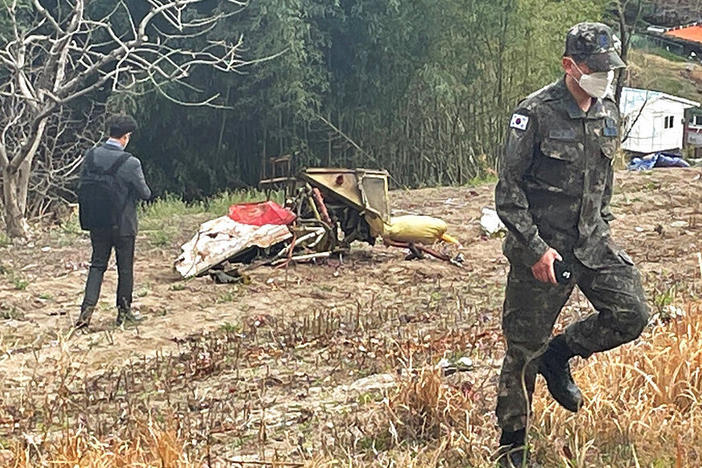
[[543, 269]]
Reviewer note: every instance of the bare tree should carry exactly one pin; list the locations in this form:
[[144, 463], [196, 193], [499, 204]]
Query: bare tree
[[59, 157], [55, 55], [626, 33]]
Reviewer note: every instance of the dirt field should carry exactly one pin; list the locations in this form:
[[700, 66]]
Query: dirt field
[[294, 366]]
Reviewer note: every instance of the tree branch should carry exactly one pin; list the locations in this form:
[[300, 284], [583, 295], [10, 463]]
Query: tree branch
[[58, 54], [638, 116], [43, 11]]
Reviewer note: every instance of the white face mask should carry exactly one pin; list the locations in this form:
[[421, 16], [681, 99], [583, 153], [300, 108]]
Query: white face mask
[[595, 84]]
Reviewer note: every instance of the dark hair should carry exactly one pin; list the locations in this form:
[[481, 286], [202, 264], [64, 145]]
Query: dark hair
[[120, 124]]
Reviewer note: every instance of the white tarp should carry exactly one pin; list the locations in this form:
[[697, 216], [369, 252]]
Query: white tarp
[[220, 239], [491, 223]]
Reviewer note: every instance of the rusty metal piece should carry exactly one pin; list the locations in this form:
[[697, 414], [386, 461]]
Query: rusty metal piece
[[364, 189], [290, 250], [420, 248], [334, 208], [297, 258], [314, 209], [321, 207], [356, 200]]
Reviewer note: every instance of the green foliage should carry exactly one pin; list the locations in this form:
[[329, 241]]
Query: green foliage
[[369, 397], [418, 87], [269, 105], [19, 283], [661, 74], [12, 314], [180, 286], [162, 212], [22, 11], [71, 225], [663, 299], [164, 220], [661, 52], [162, 238], [674, 52], [4, 240], [482, 179], [229, 327], [228, 296]]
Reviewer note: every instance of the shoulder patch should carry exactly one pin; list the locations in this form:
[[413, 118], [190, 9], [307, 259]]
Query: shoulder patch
[[519, 122]]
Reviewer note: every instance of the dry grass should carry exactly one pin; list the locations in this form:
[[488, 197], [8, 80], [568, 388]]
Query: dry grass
[[642, 409], [250, 387], [152, 446], [424, 421], [643, 403], [424, 407]]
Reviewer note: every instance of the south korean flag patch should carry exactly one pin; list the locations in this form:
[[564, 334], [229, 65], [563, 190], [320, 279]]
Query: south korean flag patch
[[519, 122]]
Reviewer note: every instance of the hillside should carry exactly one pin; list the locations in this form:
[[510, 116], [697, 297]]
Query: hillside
[[333, 364], [678, 78], [672, 12]]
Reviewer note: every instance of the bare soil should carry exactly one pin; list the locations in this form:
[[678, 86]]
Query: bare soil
[[282, 365]]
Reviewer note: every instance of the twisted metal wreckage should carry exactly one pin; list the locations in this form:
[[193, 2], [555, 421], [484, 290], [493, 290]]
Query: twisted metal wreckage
[[326, 210]]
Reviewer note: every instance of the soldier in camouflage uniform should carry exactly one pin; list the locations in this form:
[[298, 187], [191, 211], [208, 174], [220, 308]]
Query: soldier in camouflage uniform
[[553, 195]]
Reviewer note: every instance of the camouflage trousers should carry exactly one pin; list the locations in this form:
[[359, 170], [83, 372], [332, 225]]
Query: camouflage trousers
[[530, 311]]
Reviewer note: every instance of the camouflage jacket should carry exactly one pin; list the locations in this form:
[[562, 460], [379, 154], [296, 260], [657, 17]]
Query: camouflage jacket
[[555, 179]]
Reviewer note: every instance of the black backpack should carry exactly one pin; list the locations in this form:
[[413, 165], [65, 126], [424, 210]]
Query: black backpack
[[98, 196]]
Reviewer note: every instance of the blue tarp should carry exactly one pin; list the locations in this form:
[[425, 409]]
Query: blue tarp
[[657, 160]]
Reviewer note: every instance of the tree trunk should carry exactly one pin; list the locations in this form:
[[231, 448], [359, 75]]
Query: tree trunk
[[15, 222], [16, 187]]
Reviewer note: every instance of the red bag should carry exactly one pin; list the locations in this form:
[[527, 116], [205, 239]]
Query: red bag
[[258, 214]]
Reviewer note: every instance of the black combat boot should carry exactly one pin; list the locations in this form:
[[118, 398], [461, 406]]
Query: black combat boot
[[86, 312], [512, 453], [556, 370], [126, 316]]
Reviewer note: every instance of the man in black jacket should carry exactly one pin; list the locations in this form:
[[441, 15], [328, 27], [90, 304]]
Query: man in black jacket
[[131, 186]]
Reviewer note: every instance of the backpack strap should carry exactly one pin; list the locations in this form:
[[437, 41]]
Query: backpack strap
[[90, 160], [112, 170], [117, 164]]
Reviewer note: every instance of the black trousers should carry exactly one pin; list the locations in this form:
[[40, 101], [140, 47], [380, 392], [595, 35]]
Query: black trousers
[[103, 242]]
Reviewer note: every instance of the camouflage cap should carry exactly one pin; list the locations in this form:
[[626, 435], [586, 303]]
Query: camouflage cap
[[596, 44]]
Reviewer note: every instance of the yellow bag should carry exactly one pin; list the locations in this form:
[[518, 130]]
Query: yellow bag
[[419, 229]]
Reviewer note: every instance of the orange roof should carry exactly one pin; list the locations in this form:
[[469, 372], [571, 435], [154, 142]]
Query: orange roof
[[691, 33]]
